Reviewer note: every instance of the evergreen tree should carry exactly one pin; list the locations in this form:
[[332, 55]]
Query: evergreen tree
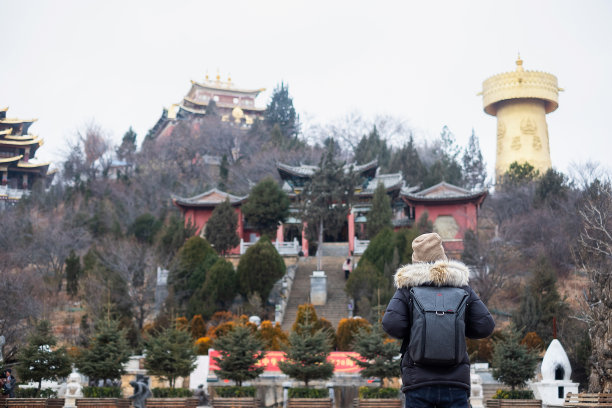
[[39, 359], [347, 330], [407, 160], [306, 355], [372, 147], [221, 228], [127, 149], [474, 168], [145, 227], [326, 198], [551, 189], [211, 109], [197, 326], [189, 268], [378, 354], [380, 215], [240, 351], [173, 235], [223, 173], [73, 272], [513, 364], [107, 353], [519, 174], [280, 111], [259, 268], [217, 292], [446, 167], [267, 207], [540, 302], [170, 354]]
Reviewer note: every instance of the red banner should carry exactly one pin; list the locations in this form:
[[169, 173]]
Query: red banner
[[340, 360]]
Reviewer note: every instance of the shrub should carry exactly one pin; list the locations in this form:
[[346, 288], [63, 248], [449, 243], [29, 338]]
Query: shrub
[[235, 392], [202, 345], [301, 392], [34, 393], [378, 393], [347, 329], [515, 394], [102, 392], [172, 392]]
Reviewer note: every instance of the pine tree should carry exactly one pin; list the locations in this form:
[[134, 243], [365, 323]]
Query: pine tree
[[474, 168], [39, 359], [380, 215], [378, 354], [347, 330], [221, 228], [145, 227], [73, 272], [513, 364], [223, 173], [372, 147], [519, 174], [211, 109], [280, 111], [259, 268], [127, 149], [446, 167], [218, 290], [407, 160], [240, 351], [267, 207], [108, 351], [540, 302], [170, 354], [189, 268], [326, 198], [306, 355]]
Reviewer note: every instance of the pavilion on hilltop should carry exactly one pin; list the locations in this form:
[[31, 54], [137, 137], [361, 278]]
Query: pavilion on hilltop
[[233, 104], [452, 210], [18, 170]]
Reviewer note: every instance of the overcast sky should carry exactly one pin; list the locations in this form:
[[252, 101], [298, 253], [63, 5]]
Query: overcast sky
[[118, 63]]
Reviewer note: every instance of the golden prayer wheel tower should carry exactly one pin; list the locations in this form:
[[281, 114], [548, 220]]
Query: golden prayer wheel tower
[[520, 100]]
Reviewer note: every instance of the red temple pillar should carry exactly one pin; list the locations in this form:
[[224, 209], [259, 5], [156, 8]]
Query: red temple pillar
[[351, 232], [280, 234], [304, 240], [4, 178]]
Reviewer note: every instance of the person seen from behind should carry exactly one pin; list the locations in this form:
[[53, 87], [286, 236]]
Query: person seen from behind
[[9, 383], [427, 384], [346, 267]]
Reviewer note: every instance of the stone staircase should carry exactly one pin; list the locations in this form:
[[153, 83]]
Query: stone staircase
[[336, 307]]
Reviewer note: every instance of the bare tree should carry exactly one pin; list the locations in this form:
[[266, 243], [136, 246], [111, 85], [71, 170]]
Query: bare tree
[[596, 256]]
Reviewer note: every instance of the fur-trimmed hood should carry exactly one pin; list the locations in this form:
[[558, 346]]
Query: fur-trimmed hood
[[440, 273]]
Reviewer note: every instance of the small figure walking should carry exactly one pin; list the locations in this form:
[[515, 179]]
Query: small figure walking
[[346, 267]]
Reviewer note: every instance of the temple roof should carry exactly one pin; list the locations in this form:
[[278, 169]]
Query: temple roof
[[228, 86], [444, 192], [21, 141], [305, 170], [13, 159], [390, 181], [221, 105], [13, 121], [210, 198]]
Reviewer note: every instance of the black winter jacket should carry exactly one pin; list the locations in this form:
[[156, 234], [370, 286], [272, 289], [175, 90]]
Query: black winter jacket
[[396, 321]]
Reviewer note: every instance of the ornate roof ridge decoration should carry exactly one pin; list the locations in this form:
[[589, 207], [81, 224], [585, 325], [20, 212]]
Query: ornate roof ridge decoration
[[226, 86], [307, 170], [13, 121], [519, 84], [391, 181], [444, 191], [217, 196], [5, 160], [31, 165], [219, 105], [16, 141]]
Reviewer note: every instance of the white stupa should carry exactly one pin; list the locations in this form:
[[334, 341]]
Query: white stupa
[[556, 372]]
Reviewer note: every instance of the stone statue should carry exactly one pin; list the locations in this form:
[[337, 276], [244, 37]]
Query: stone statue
[[74, 390], [141, 391]]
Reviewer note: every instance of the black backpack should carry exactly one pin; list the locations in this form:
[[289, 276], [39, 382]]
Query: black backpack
[[437, 330]]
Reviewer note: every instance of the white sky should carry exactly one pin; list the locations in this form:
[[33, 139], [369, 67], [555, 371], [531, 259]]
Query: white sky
[[119, 62]]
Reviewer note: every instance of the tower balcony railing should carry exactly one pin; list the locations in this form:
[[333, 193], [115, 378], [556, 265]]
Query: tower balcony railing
[[283, 248], [360, 246], [12, 193]]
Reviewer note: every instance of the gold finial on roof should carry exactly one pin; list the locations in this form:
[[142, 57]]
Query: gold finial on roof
[[519, 63], [206, 77], [218, 76]]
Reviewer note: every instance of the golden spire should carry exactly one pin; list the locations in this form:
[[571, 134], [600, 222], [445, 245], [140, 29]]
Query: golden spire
[[206, 77], [218, 76], [519, 63]]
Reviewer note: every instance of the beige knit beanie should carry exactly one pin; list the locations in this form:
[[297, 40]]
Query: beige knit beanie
[[428, 248]]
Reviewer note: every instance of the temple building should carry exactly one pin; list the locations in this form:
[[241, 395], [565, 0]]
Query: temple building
[[451, 209], [18, 171], [233, 104], [521, 100]]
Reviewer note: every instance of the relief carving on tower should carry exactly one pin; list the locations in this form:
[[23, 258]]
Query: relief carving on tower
[[537, 143], [528, 126], [516, 143], [501, 129]]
